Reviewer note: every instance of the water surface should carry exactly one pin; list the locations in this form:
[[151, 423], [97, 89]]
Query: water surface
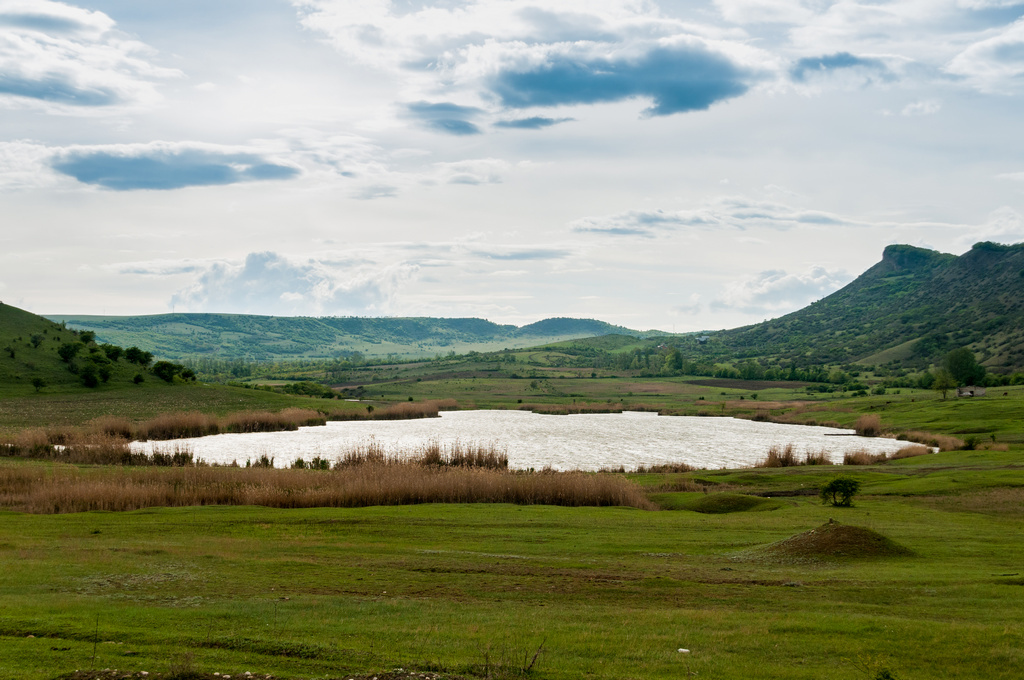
[[531, 440]]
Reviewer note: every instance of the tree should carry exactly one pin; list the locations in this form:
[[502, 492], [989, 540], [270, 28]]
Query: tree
[[943, 382], [840, 491], [165, 370], [138, 356], [68, 350], [88, 376], [38, 383], [138, 379], [964, 367], [113, 352]]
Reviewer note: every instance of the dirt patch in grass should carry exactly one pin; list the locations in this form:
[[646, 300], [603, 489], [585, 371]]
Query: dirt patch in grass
[[109, 674], [714, 503], [730, 383], [1006, 502], [833, 541]]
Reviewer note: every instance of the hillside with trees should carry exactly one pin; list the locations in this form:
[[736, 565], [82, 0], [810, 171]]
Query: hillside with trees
[[908, 311], [36, 353], [267, 338]]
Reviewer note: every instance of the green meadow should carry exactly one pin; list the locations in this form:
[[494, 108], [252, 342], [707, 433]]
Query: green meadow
[[746, 570], [477, 589]]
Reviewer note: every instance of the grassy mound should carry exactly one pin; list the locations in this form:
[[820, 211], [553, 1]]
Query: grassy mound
[[715, 503], [834, 541]]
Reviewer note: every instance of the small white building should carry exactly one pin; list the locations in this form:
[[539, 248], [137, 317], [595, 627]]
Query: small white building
[[970, 391]]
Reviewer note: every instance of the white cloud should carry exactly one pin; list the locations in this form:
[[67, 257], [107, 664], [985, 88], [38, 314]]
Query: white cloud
[[723, 213], [777, 291], [65, 59], [921, 108], [479, 171], [270, 283], [1004, 225], [996, 63], [464, 47], [24, 165]]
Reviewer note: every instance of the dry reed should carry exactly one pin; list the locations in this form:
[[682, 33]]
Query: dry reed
[[68, 489], [816, 458], [943, 442], [868, 425], [862, 457], [572, 409], [779, 457]]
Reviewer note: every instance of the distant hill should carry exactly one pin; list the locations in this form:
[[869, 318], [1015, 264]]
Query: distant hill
[[908, 311], [241, 336]]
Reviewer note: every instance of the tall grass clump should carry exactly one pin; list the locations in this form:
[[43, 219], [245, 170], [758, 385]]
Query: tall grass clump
[[779, 457], [432, 454], [862, 457], [70, 489], [114, 426], [868, 425], [572, 409], [816, 458], [289, 419], [943, 442], [865, 458], [177, 426]]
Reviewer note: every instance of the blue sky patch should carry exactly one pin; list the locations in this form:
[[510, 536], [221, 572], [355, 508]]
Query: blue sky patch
[[832, 62], [532, 123], [165, 170], [678, 79], [446, 117]]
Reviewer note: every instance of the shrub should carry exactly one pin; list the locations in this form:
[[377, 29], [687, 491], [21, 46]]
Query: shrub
[[166, 371], [840, 491]]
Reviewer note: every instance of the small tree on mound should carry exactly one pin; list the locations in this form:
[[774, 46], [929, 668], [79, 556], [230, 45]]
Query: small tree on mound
[[840, 491]]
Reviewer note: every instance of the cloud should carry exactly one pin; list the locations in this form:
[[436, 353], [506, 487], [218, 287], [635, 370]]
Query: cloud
[[692, 309], [825, 65], [270, 283], [522, 254], [160, 165], [922, 108], [1004, 225], [532, 123], [66, 59], [526, 54], [446, 117], [678, 78], [995, 64], [723, 213], [479, 171], [776, 290]]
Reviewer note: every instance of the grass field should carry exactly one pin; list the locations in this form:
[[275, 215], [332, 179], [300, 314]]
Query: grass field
[[477, 589], [734, 566]]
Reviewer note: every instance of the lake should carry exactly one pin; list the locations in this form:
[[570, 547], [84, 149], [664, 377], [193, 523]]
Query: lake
[[531, 440]]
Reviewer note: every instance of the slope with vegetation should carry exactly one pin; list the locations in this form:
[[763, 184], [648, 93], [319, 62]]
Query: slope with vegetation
[[231, 336], [907, 311]]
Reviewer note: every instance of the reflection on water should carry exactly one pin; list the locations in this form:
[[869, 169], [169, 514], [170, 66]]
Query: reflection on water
[[585, 442]]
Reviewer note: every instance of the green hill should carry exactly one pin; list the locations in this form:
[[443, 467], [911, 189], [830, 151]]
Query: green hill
[[908, 310], [240, 336], [37, 353]]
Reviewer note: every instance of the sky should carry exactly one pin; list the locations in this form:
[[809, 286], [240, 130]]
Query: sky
[[670, 165]]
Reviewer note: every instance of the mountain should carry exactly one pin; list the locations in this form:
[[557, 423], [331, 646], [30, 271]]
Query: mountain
[[907, 311], [241, 336]]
